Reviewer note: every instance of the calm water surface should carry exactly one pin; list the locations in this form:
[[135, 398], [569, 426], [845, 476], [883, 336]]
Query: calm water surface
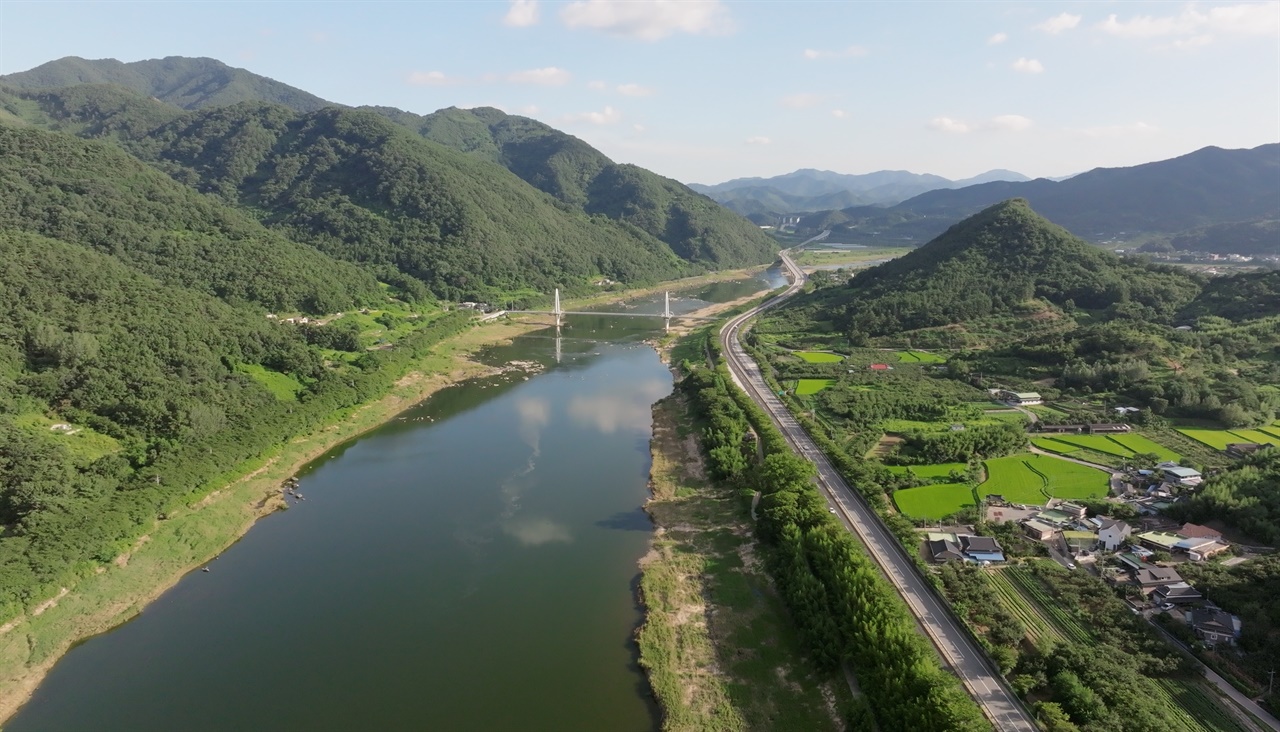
[[468, 566]]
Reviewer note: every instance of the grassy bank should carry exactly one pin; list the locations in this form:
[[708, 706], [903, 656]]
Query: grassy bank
[[717, 644], [187, 538]]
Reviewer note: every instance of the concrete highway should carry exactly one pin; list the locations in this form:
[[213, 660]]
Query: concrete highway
[[957, 648]]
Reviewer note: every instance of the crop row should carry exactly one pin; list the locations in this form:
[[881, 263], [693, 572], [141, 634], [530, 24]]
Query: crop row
[[1038, 627], [1195, 707], [1033, 589]]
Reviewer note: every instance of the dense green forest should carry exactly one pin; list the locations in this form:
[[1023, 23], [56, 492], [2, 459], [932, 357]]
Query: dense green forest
[[96, 195], [427, 203]]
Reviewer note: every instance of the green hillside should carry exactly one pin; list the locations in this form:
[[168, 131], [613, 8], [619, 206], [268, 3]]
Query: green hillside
[[423, 216], [993, 263], [96, 195], [189, 83]]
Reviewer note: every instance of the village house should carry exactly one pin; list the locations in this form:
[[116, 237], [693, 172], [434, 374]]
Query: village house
[[1179, 475], [1059, 428], [1112, 533], [982, 548], [1080, 541], [1021, 398], [1196, 531], [1109, 428], [1244, 449], [1199, 550], [1150, 576], [1039, 530], [1176, 593], [1074, 510], [944, 550], [1165, 541], [1214, 626]]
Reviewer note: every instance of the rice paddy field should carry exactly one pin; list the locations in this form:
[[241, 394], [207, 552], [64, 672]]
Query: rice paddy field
[[807, 387], [819, 356], [934, 501], [920, 357], [1035, 478], [941, 470], [1122, 446], [1219, 439]]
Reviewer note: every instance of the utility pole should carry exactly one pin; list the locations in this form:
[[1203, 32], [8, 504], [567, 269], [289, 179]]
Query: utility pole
[[1271, 681]]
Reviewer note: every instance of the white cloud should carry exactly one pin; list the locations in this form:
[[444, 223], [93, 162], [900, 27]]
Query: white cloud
[[947, 124], [606, 116], [548, 76], [1010, 122], [522, 13], [758, 140], [528, 110], [800, 101], [635, 90], [849, 52], [638, 127], [1028, 66], [997, 39], [1059, 23], [432, 78], [1257, 19], [597, 85], [320, 37], [649, 20], [838, 113]]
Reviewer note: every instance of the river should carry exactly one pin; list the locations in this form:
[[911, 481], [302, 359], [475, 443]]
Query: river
[[470, 565]]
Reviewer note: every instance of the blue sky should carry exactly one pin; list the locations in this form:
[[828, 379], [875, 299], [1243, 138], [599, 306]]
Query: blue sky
[[706, 91]]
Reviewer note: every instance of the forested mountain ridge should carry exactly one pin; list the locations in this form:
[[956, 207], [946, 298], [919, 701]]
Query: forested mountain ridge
[[694, 226], [96, 195], [357, 185], [188, 83], [995, 262]]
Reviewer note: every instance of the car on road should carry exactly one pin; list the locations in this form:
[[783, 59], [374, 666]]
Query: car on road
[[1166, 606], [1071, 565]]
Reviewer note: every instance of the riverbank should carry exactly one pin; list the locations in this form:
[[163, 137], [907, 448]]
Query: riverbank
[[192, 536], [717, 645]]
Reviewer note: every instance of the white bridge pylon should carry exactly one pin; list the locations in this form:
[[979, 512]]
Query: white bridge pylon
[[556, 311]]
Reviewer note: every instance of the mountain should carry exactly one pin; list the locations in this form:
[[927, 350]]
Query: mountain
[[189, 83], [1237, 297], [578, 175], [1203, 188], [1000, 261], [815, 190], [95, 195], [363, 188]]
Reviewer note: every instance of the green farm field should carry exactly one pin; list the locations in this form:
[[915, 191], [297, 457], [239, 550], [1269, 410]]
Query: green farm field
[[941, 470], [1219, 439], [819, 356], [1035, 478], [806, 387], [933, 501], [920, 357]]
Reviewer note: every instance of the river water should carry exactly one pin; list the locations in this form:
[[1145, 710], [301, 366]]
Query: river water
[[470, 565]]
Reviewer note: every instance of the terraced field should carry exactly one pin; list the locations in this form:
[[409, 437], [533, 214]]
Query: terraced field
[[920, 357], [819, 356], [1036, 478], [1219, 439], [941, 470], [934, 501], [806, 387]]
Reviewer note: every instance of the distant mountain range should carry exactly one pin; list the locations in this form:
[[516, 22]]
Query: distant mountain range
[[815, 190], [1205, 188]]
